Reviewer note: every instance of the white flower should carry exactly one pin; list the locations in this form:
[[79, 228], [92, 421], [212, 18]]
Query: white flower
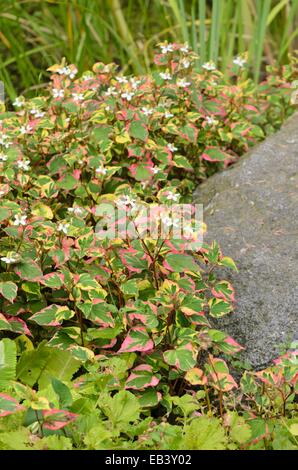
[[63, 227], [25, 129], [20, 220], [211, 121], [182, 83], [37, 113], [147, 111], [239, 61], [188, 231], [126, 201], [185, 48], [111, 91], [185, 63], [68, 72], [75, 210], [24, 165], [121, 79], [3, 138], [155, 170], [8, 259], [101, 171], [77, 96], [165, 76], [167, 48], [127, 95], [108, 108], [18, 102], [172, 147], [3, 157], [135, 83], [168, 114], [209, 66], [169, 222], [173, 196], [58, 93]]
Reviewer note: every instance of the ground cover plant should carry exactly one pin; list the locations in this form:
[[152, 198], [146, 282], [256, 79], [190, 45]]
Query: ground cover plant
[[36, 34], [109, 343]]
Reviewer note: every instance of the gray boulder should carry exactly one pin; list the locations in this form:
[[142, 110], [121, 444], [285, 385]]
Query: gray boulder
[[251, 209]]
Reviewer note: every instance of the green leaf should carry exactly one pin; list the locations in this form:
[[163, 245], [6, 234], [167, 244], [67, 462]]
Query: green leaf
[[44, 363], [228, 262], [137, 339], [52, 280], [52, 315], [214, 155], [42, 210], [141, 377], [9, 290], [182, 162], [204, 433], [219, 308], [28, 270], [183, 357], [122, 408], [138, 130], [240, 431], [180, 263], [63, 393], [130, 288], [8, 361]]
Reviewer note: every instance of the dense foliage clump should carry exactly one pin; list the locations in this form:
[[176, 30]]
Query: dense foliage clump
[[108, 342]]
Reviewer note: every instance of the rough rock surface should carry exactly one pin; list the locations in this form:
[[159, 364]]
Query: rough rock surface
[[251, 209]]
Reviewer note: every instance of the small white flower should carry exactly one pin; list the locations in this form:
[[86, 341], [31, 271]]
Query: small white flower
[[127, 95], [211, 121], [18, 102], [126, 201], [173, 196], [168, 114], [209, 66], [77, 96], [111, 91], [165, 76], [3, 157], [68, 72], [20, 220], [172, 147], [239, 61], [155, 170], [24, 165], [185, 48], [185, 63], [8, 259], [170, 222], [147, 111], [37, 113], [188, 231], [101, 171], [75, 210], [25, 129], [108, 108], [63, 227], [121, 79], [182, 83], [58, 93], [3, 138], [167, 48], [134, 83]]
